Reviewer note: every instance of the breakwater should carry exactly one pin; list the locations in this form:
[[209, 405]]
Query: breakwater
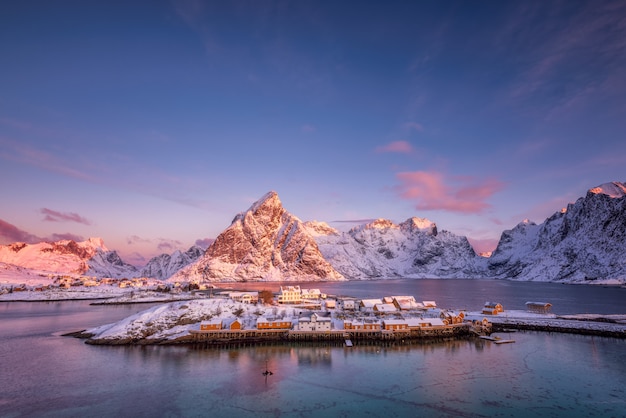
[[578, 327]]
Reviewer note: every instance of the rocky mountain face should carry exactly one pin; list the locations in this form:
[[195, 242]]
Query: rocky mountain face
[[581, 243], [265, 243], [382, 249], [165, 265]]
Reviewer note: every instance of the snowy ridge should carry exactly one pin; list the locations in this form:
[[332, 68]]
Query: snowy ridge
[[65, 256], [614, 189], [581, 244], [382, 249], [165, 265]]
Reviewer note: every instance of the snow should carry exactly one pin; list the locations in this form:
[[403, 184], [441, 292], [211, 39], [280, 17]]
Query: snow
[[174, 320], [614, 189]]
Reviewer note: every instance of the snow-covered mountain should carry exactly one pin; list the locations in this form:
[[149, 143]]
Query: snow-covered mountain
[[581, 243], [382, 249], [89, 257], [265, 243], [165, 265]]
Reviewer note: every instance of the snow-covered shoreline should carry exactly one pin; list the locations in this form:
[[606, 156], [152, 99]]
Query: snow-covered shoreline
[[171, 323]]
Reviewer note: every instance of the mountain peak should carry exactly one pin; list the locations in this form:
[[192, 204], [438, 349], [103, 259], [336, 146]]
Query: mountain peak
[[614, 189]]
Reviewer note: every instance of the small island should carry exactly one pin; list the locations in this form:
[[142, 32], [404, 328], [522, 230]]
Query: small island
[[297, 314]]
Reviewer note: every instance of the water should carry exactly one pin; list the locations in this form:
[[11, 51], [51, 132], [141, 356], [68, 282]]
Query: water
[[45, 374]]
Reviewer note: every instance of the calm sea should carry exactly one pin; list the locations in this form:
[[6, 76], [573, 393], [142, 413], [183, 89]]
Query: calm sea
[[541, 374]]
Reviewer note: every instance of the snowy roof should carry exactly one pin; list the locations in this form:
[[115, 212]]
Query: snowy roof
[[385, 307], [369, 303], [539, 304]]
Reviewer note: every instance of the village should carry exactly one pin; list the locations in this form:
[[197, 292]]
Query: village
[[319, 317]]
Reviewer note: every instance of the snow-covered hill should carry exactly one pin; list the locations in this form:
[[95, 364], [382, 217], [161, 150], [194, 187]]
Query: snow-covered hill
[[382, 249], [582, 243], [265, 243], [165, 265]]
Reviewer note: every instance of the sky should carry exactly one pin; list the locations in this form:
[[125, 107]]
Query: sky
[[152, 124]]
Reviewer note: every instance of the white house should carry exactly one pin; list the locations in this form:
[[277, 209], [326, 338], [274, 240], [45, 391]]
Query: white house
[[290, 294], [384, 308], [367, 305], [346, 304], [244, 297], [315, 322]]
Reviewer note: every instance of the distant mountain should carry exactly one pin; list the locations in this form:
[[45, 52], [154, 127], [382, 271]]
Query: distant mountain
[[265, 243], [382, 249], [165, 265], [581, 243]]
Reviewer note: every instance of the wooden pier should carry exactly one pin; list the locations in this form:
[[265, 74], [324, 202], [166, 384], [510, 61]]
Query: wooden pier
[[256, 335]]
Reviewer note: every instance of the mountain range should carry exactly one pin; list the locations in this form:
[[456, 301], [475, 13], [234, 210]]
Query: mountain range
[[582, 243]]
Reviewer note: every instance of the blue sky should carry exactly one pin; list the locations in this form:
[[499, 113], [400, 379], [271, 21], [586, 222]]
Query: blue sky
[[152, 124]]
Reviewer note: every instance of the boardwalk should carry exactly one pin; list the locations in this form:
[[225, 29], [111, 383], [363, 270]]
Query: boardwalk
[[226, 336]]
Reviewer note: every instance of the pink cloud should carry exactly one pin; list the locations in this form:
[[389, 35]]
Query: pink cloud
[[9, 233], [134, 239], [55, 216], [65, 236], [25, 154], [205, 242], [396, 146], [432, 191], [168, 245]]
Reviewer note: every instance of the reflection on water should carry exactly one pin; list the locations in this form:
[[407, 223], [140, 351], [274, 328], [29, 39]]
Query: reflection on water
[[541, 374]]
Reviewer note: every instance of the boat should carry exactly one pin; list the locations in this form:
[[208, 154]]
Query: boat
[[497, 340]]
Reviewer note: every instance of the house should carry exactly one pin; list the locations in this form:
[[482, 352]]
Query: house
[[429, 304], [265, 323], [492, 308], [367, 305], [244, 297], [362, 325], [385, 308], [314, 322], [311, 294], [211, 325], [406, 303], [451, 317], [539, 307], [290, 294], [346, 303], [395, 324], [331, 303], [232, 324], [414, 323]]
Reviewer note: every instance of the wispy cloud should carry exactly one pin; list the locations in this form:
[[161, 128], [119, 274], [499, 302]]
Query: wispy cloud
[[413, 126], [307, 129], [23, 153], [402, 147], [65, 236], [9, 233], [168, 245], [204, 242], [135, 239], [55, 216], [435, 191]]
